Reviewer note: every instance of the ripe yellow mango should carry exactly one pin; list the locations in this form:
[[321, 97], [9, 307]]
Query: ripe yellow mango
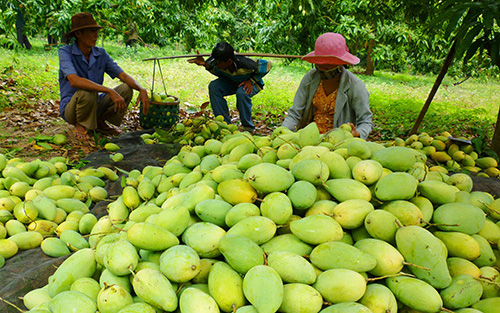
[[236, 191], [340, 285], [154, 288], [263, 288], [226, 287]]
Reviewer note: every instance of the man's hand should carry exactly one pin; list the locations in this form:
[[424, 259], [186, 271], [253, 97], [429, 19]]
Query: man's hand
[[143, 97], [354, 132], [198, 60], [247, 86], [120, 105]]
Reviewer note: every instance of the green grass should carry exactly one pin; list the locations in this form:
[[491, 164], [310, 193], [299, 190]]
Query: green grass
[[395, 98]]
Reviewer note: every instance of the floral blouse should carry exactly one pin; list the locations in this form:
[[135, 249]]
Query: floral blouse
[[325, 108]]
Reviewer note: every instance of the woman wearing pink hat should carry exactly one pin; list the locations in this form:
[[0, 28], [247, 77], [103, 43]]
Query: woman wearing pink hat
[[329, 94]]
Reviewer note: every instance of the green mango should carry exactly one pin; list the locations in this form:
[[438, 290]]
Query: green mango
[[367, 171], [141, 213], [351, 213], [263, 288], [317, 229], [389, 260], [288, 243], [241, 253], [312, 170], [213, 211], [309, 135], [302, 195], [88, 286], [190, 179], [20, 175], [175, 167], [277, 207], [298, 297], [490, 231], [154, 288], [481, 199], [344, 189], [205, 268], [27, 240], [100, 229], [292, 267], [268, 177], [459, 244], [138, 307], [324, 207], [410, 292], [175, 220], [80, 264], [212, 146], [382, 224], [427, 252], [346, 307], [108, 278], [458, 266], [204, 238], [36, 297], [193, 300], [152, 237], [490, 279], [360, 149], [397, 158], [379, 299], [287, 151], [54, 247], [437, 192], [113, 298], [337, 165], [337, 254], [46, 207], [425, 205], [239, 212], [14, 227], [463, 292], [70, 204], [396, 186], [196, 195], [340, 285], [59, 192], [121, 258], [487, 305], [8, 248], [248, 160], [405, 211], [180, 263], [226, 171], [487, 257], [74, 240], [259, 229], [461, 217], [226, 287], [71, 301]]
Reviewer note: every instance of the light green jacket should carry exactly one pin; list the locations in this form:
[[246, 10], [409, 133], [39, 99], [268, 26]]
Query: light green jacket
[[352, 105]]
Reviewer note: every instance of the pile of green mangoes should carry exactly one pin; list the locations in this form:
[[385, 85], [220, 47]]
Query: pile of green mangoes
[[45, 204], [290, 222], [192, 131], [450, 154]]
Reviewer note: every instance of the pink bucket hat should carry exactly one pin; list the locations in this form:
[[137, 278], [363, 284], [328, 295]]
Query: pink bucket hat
[[330, 48]]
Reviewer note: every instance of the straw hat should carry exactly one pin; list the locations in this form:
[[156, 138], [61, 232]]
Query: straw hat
[[330, 48], [81, 21]]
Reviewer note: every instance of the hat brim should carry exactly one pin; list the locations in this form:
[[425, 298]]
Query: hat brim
[[71, 32], [211, 61], [331, 59]]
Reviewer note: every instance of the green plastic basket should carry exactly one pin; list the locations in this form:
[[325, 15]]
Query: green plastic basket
[[161, 114]]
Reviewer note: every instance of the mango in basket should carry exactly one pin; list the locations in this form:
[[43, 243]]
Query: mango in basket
[[156, 97]]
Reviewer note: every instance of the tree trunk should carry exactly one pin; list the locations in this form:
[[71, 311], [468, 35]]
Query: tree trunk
[[437, 83], [370, 67]]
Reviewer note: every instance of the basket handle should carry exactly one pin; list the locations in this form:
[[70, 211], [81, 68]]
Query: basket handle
[[161, 76]]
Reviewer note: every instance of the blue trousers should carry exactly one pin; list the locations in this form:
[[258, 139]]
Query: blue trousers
[[219, 88]]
